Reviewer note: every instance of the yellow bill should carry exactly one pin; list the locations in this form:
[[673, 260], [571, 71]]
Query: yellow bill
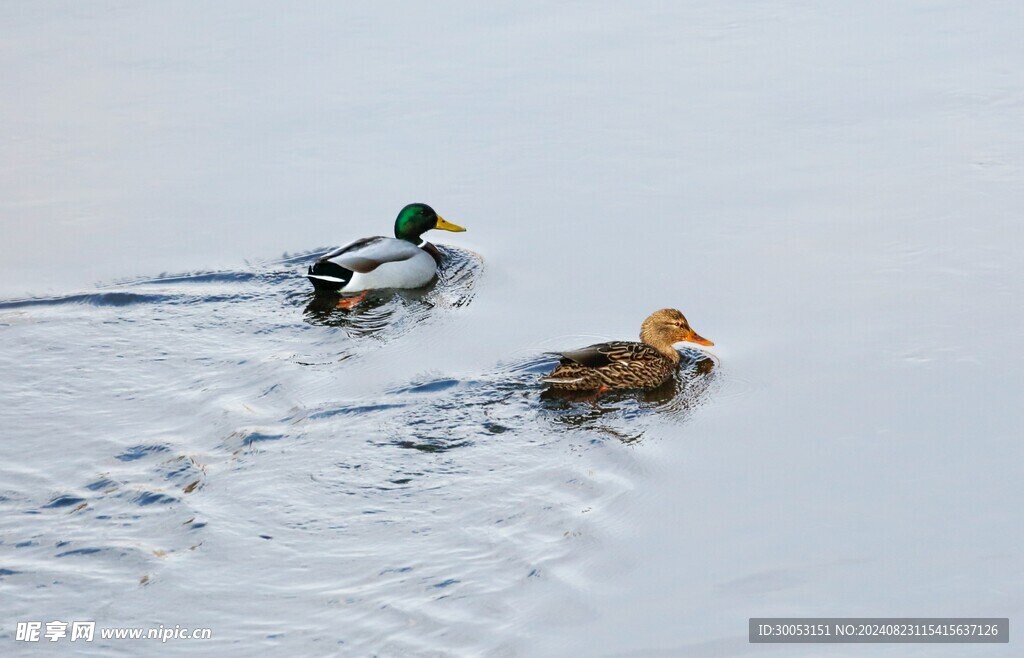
[[445, 225]]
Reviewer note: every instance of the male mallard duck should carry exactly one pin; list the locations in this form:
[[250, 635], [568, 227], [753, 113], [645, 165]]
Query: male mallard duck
[[404, 261], [625, 365]]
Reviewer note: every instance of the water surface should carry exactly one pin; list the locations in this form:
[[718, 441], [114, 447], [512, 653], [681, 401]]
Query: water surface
[[831, 194]]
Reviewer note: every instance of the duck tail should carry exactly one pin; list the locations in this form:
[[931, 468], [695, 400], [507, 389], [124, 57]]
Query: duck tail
[[328, 276]]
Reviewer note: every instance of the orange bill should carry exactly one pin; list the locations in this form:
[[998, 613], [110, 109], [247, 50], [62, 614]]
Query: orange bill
[[694, 337]]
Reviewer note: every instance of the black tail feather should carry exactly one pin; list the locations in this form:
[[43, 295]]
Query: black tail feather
[[340, 276]]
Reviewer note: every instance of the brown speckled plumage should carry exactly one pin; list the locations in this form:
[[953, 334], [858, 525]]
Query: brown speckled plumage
[[627, 365]]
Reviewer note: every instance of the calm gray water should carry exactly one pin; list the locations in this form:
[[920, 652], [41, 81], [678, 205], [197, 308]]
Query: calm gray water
[[832, 194]]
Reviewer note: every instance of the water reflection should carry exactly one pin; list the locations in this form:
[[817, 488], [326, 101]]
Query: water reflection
[[322, 309]]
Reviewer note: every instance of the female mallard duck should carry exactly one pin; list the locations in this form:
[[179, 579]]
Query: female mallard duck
[[404, 261], [621, 365]]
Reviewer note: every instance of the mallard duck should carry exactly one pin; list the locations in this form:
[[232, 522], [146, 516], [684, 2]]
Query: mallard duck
[[621, 365], [404, 261]]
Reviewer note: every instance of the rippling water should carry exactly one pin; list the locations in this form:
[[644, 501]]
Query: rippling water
[[831, 193], [193, 417]]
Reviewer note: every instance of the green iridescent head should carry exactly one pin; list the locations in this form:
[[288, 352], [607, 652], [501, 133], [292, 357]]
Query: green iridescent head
[[416, 219]]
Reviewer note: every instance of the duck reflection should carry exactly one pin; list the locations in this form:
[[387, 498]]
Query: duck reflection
[[322, 309]]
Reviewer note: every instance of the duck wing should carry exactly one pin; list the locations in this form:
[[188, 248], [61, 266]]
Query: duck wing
[[367, 254], [604, 354]]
